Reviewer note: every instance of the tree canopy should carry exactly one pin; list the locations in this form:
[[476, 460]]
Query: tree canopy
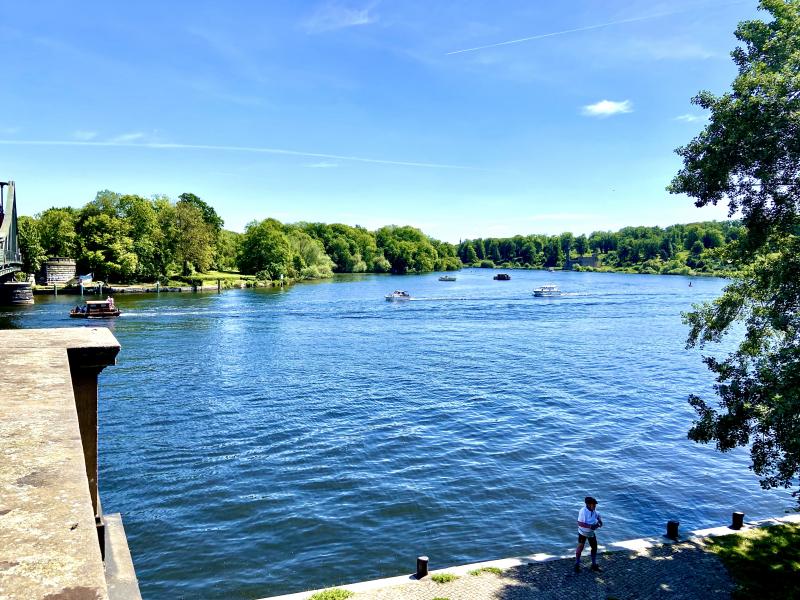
[[749, 156]]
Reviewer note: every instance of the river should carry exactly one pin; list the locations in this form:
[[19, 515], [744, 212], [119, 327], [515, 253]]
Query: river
[[260, 442]]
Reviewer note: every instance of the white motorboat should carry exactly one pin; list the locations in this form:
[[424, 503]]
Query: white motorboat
[[398, 295], [547, 290]]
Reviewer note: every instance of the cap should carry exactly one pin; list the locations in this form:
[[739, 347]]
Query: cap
[[589, 500]]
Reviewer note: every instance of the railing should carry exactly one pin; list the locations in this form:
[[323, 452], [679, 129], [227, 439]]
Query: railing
[[11, 258]]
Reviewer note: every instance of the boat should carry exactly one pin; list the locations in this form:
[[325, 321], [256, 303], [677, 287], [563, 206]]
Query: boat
[[447, 278], [96, 309], [398, 295], [502, 277], [547, 290]]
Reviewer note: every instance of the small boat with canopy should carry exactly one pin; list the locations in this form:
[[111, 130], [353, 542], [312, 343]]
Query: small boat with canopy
[[96, 309]]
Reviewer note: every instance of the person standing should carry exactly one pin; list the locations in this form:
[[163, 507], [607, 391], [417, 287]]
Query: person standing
[[588, 522]]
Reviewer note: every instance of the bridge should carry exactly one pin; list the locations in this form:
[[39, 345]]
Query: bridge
[[10, 256]]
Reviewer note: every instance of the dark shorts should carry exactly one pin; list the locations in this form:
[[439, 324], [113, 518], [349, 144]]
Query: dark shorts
[[592, 540]]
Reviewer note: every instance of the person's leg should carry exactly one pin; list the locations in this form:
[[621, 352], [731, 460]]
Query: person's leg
[[593, 544], [579, 550]]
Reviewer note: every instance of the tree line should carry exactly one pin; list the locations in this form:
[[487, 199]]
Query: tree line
[[127, 238], [677, 249]]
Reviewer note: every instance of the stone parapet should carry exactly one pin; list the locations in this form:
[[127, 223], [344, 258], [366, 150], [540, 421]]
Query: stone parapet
[[49, 506]]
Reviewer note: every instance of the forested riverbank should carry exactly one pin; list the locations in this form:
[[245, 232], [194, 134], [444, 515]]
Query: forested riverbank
[[124, 238]]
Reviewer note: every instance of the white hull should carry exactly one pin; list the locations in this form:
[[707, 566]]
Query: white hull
[[547, 291]]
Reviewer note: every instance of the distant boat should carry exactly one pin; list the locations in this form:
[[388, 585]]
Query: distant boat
[[502, 277], [447, 278], [547, 290], [551, 269], [398, 295], [96, 309], [85, 279]]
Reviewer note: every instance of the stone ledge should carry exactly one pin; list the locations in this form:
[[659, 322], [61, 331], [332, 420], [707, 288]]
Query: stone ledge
[[120, 575], [48, 539]]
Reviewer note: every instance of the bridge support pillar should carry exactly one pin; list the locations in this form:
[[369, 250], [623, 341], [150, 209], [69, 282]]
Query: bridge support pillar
[[15, 292]]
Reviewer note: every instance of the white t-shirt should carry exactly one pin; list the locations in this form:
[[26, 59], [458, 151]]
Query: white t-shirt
[[590, 517]]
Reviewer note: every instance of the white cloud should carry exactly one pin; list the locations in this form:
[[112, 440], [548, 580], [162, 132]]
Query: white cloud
[[606, 108], [332, 15], [84, 135], [689, 118], [323, 165], [128, 137]]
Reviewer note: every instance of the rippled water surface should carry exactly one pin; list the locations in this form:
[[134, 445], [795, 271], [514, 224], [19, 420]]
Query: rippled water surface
[[260, 442]]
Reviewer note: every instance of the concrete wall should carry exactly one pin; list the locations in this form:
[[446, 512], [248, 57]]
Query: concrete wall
[[57, 270]]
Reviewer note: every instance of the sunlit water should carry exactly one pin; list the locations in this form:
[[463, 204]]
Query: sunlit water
[[260, 442]]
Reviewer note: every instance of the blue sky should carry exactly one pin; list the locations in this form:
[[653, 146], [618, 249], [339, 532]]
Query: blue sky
[[465, 118]]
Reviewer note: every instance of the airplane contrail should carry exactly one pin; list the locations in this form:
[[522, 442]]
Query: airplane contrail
[[253, 149], [555, 33]]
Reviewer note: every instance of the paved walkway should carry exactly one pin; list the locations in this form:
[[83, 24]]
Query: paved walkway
[[631, 570], [674, 571]]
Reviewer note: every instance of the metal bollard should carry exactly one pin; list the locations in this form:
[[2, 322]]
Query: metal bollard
[[672, 529], [738, 520], [422, 567]]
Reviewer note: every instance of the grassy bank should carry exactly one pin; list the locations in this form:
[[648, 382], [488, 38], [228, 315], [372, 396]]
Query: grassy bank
[[764, 562]]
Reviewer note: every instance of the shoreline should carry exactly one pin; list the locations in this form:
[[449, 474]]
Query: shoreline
[[408, 586], [152, 288]]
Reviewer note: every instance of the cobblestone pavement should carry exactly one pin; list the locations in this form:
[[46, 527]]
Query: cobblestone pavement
[[676, 571]]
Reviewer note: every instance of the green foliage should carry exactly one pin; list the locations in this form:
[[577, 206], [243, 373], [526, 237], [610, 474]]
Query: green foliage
[[443, 577], [228, 249], [30, 244], [210, 216], [147, 236], [467, 254], [764, 562], [193, 239], [634, 249], [581, 245], [265, 248], [57, 232], [332, 594], [486, 264], [408, 250], [749, 155], [106, 246], [482, 570], [309, 260]]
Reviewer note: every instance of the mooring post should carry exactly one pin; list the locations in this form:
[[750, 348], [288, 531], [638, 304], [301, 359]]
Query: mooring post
[[219, 286], [422, 567], [55, 290], [672, 529], [158, 287], [738, 520], [81, 289]]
